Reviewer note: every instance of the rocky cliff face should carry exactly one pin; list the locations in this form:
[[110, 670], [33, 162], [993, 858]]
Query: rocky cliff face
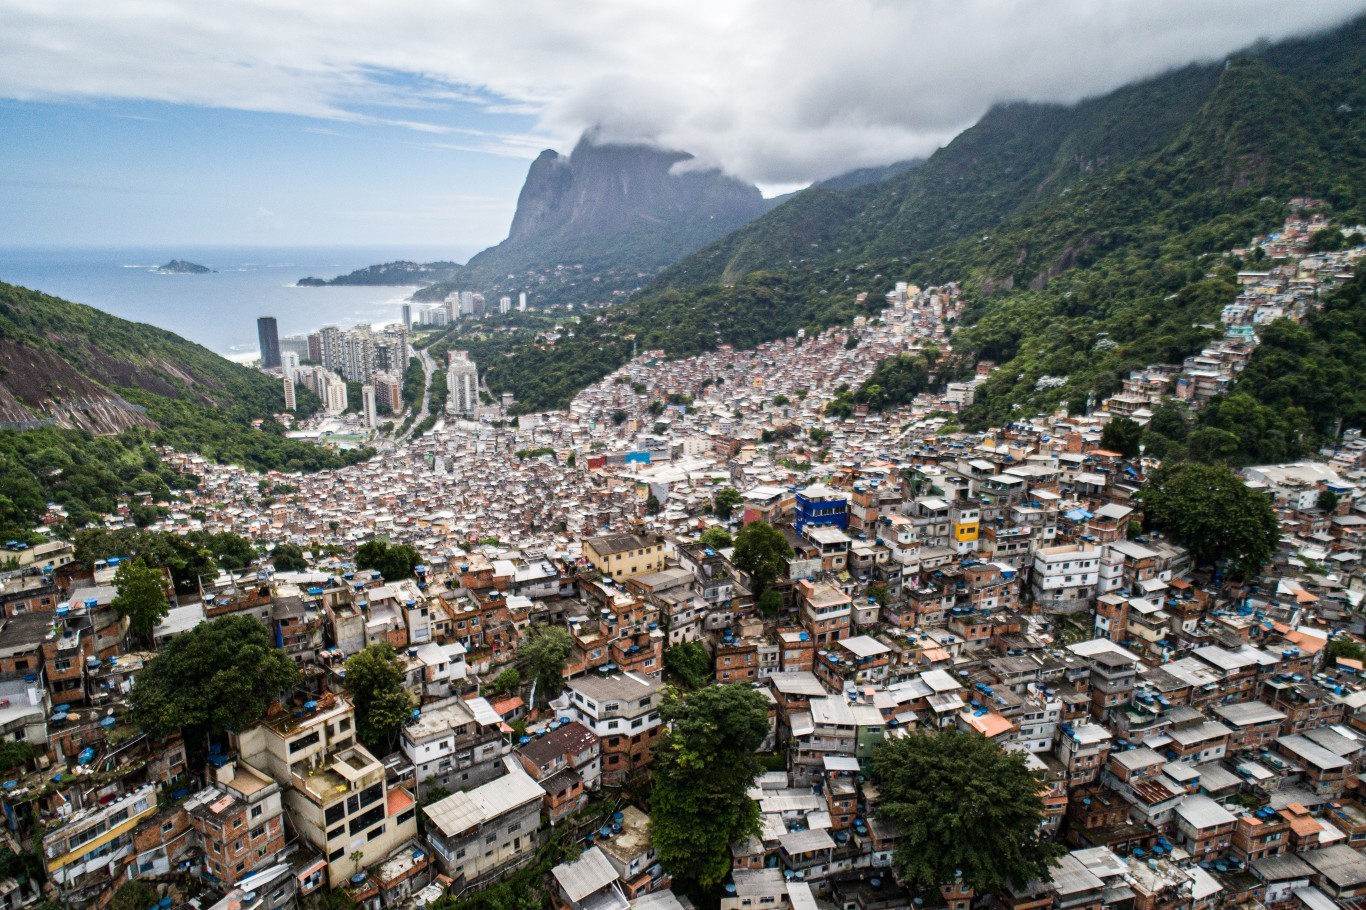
[[543, 194], [620, 201]]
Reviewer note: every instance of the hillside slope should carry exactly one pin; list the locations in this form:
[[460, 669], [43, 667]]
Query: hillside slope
[[591, 225], [1117, 198], [70, 373]]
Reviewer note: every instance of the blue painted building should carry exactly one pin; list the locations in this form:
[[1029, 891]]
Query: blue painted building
[[822, 505]]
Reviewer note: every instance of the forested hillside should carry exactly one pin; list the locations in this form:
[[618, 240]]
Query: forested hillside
[[83, 396], [1062, 223]]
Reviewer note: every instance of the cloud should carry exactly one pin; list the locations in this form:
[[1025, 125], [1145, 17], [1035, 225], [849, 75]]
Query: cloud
[[774, 91]]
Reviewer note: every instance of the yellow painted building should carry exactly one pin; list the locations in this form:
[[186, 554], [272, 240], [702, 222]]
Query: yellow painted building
[[622, 556], [87, 846]]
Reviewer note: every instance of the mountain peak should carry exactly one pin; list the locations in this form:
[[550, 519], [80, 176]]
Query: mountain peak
[[578, 205]]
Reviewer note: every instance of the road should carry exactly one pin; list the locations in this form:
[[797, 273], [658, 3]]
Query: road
[[428, 368]]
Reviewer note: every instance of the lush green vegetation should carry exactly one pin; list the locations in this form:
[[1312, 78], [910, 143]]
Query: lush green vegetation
[[964, 808], [1090, 239], [414, 383], [1343, 646], [287, 557], [197, 400], [374, 680], [689, 663], [221, 674], [393, 561], [140, 598], [1210, 511], [545, 652], [186, 556], [703, 766], [1301, 388], [1122, 435], [895, 382], [717, 538], [762, 553]]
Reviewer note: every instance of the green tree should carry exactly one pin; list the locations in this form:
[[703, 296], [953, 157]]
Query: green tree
[[222, 673], [1210, 511], [725, 501], [652, 504], [230, 551], [141, 598], [1121, 435], [546, 650], [780, 400], [762, 552], [703, 767], [1343, 646], [963, 806], [688, 661], [506, 681], [1327, 501], [770, 602], [14, 754], [288, 558], [134, 895], [715, 537], [393, 561], [374, 680], [894, 381], [1170, 420]]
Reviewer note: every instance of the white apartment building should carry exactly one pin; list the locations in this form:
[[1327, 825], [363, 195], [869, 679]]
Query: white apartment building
[[334, 789], [1065, 578]]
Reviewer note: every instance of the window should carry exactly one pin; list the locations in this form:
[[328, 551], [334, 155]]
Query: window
[[256, 811]]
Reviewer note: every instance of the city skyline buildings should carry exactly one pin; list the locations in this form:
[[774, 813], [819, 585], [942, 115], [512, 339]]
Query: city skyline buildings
[[268, 335]]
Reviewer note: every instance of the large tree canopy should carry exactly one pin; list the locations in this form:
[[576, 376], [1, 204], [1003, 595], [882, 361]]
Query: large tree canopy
[[963, 806], [546, 650], [762, 552], [1121, 435], [374, 679], [393, 561], [222, 673], [725, 501], [1210, 511], [703, 768], [689, 662], [141, 598]]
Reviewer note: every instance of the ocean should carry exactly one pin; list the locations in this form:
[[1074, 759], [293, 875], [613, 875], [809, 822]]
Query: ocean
[[219, 311]]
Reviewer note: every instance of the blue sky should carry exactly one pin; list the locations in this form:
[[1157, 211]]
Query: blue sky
[[375, 122], [96, 171]]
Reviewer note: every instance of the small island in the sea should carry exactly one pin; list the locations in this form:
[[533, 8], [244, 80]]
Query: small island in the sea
[[181, 267]]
